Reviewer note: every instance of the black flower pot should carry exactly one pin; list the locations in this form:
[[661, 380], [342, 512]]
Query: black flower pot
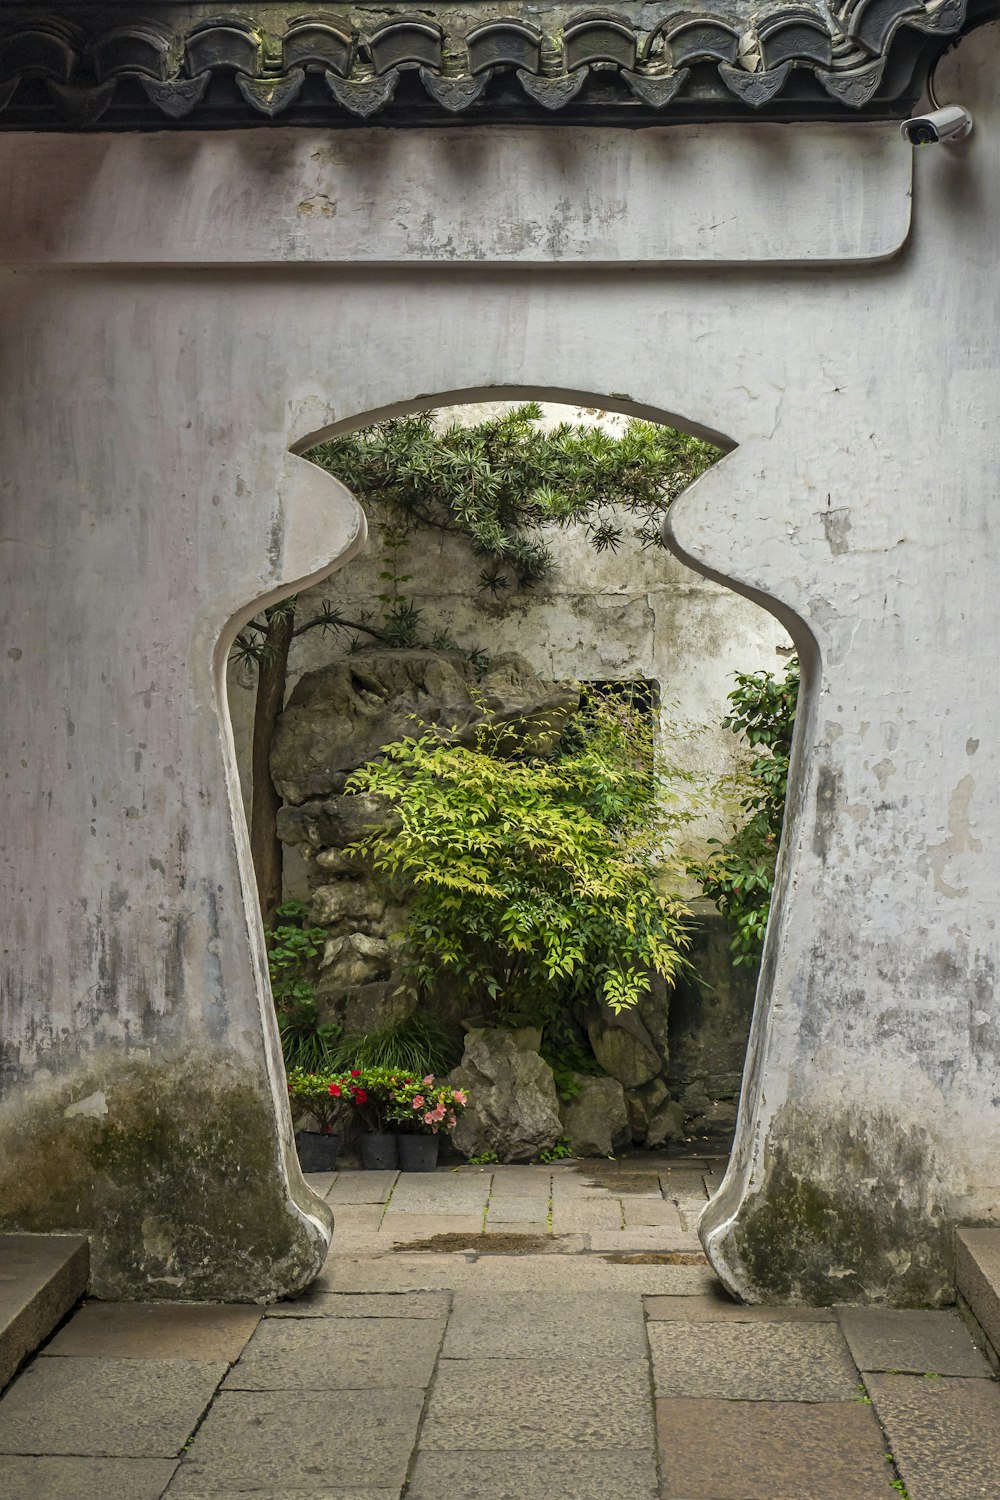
[[418, 1153], [317, 1152], [378, 1151]]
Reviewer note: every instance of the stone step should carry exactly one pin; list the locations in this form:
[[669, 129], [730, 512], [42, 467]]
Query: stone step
[[977, 1276], [42, 1276]]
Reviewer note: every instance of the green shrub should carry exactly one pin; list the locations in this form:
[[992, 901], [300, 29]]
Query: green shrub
[[533, 881], [293, 948], [739, 874]]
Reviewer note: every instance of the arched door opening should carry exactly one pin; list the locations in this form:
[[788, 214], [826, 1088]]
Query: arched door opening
[[476, 600]]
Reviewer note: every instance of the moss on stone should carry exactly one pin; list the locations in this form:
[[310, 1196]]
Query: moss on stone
[[176, 1176], [843, 1214]]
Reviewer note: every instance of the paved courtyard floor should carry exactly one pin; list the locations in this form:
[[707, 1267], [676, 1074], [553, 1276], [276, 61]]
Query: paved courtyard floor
[[506, 1333]]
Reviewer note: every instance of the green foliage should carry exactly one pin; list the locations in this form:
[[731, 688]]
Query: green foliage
[[532, 881], [321, 1094], [561, 1151], [739, 875], [419, 1044], [502, 482], [293, 948], [566, 1057], [485, 1159]]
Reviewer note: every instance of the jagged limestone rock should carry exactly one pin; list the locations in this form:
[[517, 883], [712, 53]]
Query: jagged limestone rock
[[346, 900], [361, 1008], [642, 1104], [666, 1124], [513, 1106], [623, 1046], [343, 715], [596, 1120], [334, 822]]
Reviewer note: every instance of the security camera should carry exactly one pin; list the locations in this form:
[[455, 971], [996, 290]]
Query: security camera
[[953, 123]]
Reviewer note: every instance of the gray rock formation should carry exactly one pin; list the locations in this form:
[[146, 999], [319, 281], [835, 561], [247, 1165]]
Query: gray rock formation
[[342, 715], [513, 1106], [623, 1046], [596, 1121]]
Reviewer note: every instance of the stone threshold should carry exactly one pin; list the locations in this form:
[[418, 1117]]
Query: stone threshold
[[42, 1278]]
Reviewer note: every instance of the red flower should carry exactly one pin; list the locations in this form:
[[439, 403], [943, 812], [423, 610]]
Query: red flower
[[335, 1090], [360, 1097], [355, 1072]]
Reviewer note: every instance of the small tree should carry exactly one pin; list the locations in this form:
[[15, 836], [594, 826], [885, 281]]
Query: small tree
[[500, 484], [533, 881], [739, 875]]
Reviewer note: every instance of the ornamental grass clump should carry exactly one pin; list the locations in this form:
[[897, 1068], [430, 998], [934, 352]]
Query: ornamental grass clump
[[532, 881]]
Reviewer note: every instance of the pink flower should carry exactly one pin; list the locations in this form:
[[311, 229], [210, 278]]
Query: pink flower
[[452, 1119], [428, 1081], [460, 1098], [431, 1119], [418, 1101], [437, 1114]]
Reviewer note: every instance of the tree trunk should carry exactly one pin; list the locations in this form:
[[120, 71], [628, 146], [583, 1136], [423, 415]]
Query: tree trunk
[[265, 846]]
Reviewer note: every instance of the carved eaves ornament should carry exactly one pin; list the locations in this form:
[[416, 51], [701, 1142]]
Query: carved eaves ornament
[[121, 65]]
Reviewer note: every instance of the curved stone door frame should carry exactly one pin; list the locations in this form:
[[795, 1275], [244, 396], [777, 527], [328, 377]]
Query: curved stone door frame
[[173, 325]]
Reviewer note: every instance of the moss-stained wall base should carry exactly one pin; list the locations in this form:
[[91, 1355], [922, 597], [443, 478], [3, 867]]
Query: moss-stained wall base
[[845, 1211], [174, 1169]]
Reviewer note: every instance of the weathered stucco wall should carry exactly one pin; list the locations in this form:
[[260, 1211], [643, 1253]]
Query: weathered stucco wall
[[148, 498]]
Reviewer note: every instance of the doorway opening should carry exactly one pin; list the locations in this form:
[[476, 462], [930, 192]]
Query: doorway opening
[[514, 590]]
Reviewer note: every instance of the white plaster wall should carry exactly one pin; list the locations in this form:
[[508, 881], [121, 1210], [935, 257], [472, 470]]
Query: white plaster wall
[[146, 497]]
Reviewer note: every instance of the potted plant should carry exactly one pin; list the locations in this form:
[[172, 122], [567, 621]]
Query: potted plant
[[369, 1091], [422, 1111], [322, 1096]]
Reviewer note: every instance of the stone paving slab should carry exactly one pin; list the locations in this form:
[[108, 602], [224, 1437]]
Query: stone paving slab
[[587, 1275], [586, 1214], [544, 1325], [516, 1210], [358, 1216], [84, 1478], [620, 1182], [645, 1237], [911, 1342], [272, 1494], [362, 1187], [448, 1186], [156, 1330], [735, 1450], [522, 1182], [716, 1307], [128, 1408], [269, 1442], [414, 1226], [305, 1354], [537, 1227], [943, 1434], [321, 1182], [752, 1361], [557, 1406], [650, 1211], [364, 1305], [500, 1474]]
